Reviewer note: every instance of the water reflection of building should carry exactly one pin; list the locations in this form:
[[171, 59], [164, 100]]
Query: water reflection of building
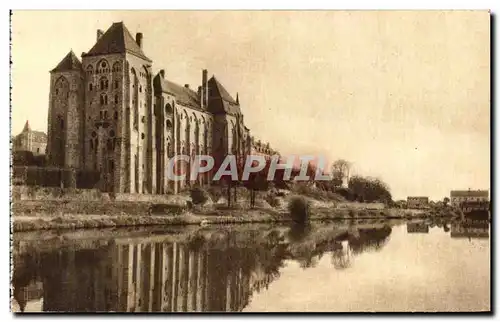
[[216, 273], [145, 277], [470, 229], [412, 228]]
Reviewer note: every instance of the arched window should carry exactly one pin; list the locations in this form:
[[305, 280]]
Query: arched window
[[90, 87], [104, 99], [116, 115], [117, 67], [169, 124], [116, 84], [104, 83], [168, 109], [116, 98], [102, 66], [110, 145], [90, 70]]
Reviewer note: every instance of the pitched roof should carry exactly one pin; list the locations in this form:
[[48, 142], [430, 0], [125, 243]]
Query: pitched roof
[[229, 105], [117, 39], [69, 62], [222, 91], [469, 193], [183, 95]]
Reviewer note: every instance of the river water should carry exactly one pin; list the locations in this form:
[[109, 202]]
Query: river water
[[351, 266]]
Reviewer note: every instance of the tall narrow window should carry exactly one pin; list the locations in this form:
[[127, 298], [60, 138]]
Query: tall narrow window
[[90, 87], [116, 84], [104, 83], [116, 99]]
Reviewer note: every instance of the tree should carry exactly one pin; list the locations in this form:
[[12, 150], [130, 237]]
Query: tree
[[257, 181], [446, 200], [340, 172], [369, 190]]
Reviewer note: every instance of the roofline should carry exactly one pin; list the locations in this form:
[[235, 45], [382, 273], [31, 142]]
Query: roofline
[[126, 52]]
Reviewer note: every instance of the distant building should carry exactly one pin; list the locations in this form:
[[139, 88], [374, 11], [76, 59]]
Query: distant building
[[29, 140], [457, 197], [417, 202]]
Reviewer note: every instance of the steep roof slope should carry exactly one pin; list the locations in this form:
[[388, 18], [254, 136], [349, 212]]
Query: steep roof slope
[[69, 62], [117, 39]]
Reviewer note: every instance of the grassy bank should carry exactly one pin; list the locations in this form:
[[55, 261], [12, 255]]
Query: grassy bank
[[52, 214]]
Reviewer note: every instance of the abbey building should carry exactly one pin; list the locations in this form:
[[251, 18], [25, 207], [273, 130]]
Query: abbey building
[[109, 112]]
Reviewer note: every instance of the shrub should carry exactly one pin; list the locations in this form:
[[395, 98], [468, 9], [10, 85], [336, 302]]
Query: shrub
[[199, 196], [215, 193], [299, 209]]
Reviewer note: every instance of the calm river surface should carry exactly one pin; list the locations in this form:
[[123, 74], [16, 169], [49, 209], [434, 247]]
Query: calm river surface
[[354, 266]]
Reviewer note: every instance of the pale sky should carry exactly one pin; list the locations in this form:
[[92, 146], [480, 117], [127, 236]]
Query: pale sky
[[403, 95]]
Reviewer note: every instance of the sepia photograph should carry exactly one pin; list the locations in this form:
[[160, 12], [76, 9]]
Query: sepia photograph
[[333, 161]]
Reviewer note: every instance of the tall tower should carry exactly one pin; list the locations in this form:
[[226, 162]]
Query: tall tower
[[119, 124], [66, 113]]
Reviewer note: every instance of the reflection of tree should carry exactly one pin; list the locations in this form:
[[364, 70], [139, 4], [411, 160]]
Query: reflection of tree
[[369, 239], [342, 258], [210, 270]]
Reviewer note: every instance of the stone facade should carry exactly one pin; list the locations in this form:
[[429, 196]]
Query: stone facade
[[110, 113], [29, 140]]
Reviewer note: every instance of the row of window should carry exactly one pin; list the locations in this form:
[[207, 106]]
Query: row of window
[[103, 67], [104, 85], [103, 99]]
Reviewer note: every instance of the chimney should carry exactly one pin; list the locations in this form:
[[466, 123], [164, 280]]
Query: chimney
[[204, 89], [186, 86], [162, 73], [138, 39], [99, 34]]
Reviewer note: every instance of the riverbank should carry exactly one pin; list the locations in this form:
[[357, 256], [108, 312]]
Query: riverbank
[[31, 215]]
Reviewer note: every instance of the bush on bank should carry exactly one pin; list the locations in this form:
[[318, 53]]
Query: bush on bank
[[299, 208]]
